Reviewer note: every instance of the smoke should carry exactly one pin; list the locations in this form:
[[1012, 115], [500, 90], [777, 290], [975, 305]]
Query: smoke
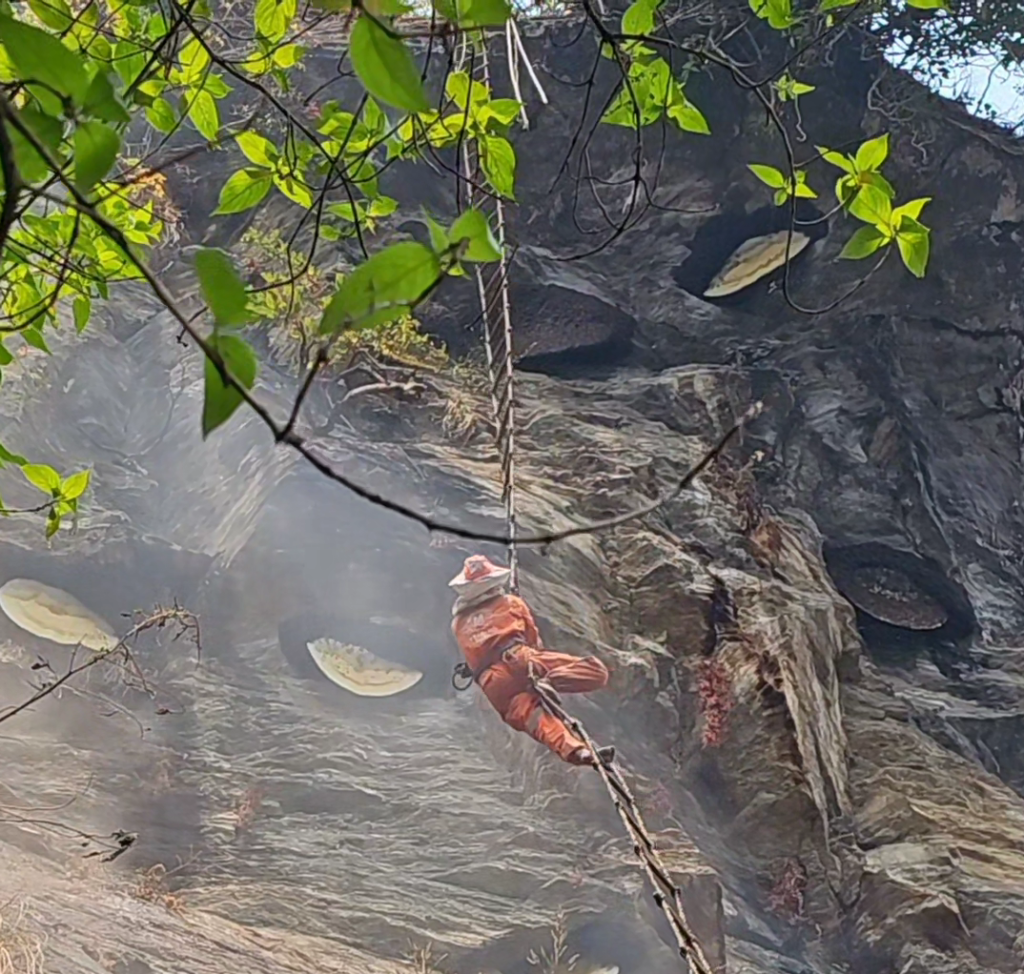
[[258, 789]]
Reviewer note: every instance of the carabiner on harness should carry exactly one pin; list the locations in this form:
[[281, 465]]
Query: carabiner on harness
[[462, 672]]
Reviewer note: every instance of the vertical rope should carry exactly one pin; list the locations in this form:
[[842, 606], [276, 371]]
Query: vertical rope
[[496, 317], [496, 314]]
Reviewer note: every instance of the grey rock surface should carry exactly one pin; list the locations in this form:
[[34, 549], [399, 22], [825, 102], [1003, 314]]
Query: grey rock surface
[[864, 809]]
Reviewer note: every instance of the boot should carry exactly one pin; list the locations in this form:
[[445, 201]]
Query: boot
[[606, 754], [583, 756]]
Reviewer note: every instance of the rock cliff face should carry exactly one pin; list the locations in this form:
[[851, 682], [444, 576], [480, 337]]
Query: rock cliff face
[[835, 782]]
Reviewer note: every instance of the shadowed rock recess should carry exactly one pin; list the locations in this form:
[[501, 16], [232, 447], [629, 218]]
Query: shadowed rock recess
[[853, 798]]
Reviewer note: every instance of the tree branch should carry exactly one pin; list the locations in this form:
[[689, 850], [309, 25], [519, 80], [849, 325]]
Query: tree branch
[[12, 186], [283, 434]]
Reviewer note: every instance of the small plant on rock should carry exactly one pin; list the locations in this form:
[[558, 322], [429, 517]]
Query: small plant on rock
[[786, 897], [714, 688]]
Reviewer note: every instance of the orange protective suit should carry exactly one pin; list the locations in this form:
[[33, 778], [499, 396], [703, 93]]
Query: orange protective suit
[[484, 631]]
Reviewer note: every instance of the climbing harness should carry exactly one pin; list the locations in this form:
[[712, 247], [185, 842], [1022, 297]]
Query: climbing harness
[[497, 655], [496, 315]]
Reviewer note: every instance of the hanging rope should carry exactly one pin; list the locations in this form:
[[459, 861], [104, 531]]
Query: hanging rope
[[496, 315], [667, 894]]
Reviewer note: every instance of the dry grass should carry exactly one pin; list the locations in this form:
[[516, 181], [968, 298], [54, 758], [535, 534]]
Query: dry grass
[[557, 959], [464, 399], [460, 416], [21, 948], [422, 958], [151, 887]]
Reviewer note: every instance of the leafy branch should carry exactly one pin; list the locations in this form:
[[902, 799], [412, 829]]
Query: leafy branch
[[62, 493], [74, 215]]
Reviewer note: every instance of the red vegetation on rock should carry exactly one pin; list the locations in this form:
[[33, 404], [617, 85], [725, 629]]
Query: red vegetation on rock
[[786, 897], [714, 688]]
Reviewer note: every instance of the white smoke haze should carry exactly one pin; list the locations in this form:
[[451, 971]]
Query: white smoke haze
[[261, 793]]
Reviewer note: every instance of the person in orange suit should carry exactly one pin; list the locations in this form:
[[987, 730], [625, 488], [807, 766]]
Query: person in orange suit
[[498, 637]]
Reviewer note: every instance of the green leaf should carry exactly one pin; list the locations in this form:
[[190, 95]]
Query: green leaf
[[101, 101], [7, 457], [863, 243], [386, 68], [295, 190], [41, 57], [222, 288], [834, 4], [55, 14], [928, 4], [161, 115], [837, 159], [913, 239], [383, 288], [473, 227], [204, 115], [274, 17], [438, 237], [288, 55], [221, 400], [257, 149], [498, 160], [639, 17], [194, 59], [872, 153], [877, 180], [847, 188], [75, 485], [462, 90], [912, 210], [374, 119], [484, 13], [872, 206], [778, 13], [348, 211], [35, 338], [382, 206], [784, 88], [52, 523], [32, 166], [45, 478], [686, 115], [129, 60], [83, 311], [768, 175], [217, 86], [96, 148], [803, 191], [503, 110], [244, 190], [5, 359]]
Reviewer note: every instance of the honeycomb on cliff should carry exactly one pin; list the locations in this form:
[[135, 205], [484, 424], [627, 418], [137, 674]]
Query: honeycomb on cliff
[[754, 259], [891, 596]]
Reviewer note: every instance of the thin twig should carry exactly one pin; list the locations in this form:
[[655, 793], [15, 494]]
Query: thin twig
[[157, 619]]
